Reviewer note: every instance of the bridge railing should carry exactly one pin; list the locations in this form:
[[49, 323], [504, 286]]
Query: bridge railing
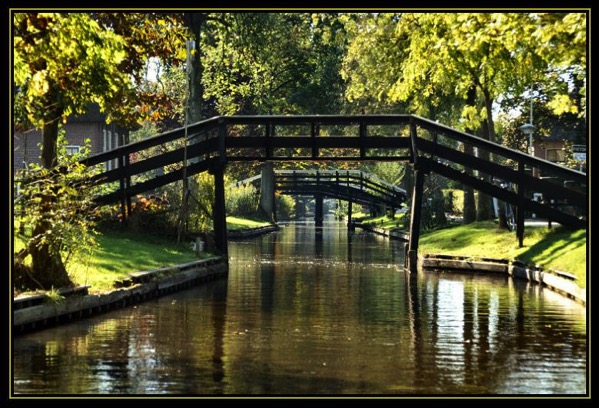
[[318, 137], [508, 174], [156, 161], [344, 184]]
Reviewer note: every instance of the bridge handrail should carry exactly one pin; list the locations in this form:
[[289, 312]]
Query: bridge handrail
[[499, 149], [192, 131]]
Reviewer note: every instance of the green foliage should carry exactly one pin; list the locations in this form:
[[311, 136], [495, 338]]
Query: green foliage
[[285, 207], [203, 193], [428, 59], [454, 199], [54, 296], [242, 200], [391, 172], [64, 59], [273, 63]]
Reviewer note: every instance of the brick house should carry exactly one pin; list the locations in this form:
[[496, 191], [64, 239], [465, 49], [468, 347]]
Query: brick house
[[91, 125], [551, 148]]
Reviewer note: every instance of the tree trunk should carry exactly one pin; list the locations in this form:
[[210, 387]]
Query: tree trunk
[[502, 219], [47, 267], [469, 212], [484, 205], [196, 22]]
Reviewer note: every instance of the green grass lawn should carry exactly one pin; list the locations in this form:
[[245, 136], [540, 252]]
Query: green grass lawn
[[384, 221], [556, 248], [235, 223], [119, 253]]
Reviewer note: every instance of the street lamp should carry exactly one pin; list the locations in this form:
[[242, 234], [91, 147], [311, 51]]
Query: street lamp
[[528, 129]]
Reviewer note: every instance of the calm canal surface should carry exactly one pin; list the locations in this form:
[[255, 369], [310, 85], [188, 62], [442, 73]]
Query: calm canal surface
[[306, 313]]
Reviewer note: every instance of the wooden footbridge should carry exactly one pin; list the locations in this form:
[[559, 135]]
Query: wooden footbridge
[[509, 175]]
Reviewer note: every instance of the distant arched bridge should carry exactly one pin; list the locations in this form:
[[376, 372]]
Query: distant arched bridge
[[353, 186]]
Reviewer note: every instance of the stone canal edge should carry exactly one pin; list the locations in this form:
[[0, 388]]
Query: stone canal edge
[[558, 281], [39, 311]]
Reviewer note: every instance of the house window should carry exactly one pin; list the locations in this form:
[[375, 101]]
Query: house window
[[73, 149], [555, 155], [107, 146]]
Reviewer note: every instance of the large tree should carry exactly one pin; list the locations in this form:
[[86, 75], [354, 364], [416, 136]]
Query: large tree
[[448, 55], [65, 61]]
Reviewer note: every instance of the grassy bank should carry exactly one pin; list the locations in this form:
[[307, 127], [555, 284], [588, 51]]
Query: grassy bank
[[120, 253], [383, 221], [556, 248], [235, 223]]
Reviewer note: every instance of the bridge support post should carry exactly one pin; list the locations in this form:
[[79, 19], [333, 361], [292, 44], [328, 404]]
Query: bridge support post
[[416, 215], [318, 210], [219, 216], [267, 191], [299, 207], [520, 207]]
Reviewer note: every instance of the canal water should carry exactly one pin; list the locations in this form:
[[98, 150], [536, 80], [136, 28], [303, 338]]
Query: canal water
[[307, 312]]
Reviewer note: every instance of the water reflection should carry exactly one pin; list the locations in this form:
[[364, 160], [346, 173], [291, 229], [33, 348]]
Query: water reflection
[[308, 311]]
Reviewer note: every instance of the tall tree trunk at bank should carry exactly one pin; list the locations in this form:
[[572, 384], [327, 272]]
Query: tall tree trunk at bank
[[502, 219], [194, 109], [469, 212], [196, 23], [484, 205], [47, 266]]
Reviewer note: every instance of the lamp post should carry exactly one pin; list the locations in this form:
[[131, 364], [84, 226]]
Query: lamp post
[[529, 128]]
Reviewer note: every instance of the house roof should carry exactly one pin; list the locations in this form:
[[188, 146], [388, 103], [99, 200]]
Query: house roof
[[93, 114], [560, 132]]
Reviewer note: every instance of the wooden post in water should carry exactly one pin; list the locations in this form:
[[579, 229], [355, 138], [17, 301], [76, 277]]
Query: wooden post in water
[[520, 206], [219, 213], [350, 225], [219, 216], [411, 260], [318, 210], [416, 215]]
